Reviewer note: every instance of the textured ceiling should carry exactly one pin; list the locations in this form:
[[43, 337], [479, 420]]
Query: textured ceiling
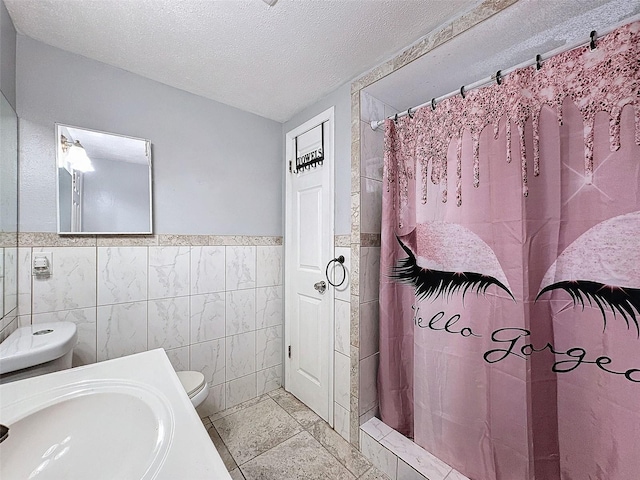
[[272, 61], [504, 40]]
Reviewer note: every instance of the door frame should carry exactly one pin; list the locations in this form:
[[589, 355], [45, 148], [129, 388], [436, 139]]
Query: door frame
[[328, 166]]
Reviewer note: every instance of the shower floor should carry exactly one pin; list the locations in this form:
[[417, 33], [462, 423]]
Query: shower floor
[[277, 437]]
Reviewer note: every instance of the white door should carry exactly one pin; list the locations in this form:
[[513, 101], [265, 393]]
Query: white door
[[308, 249]]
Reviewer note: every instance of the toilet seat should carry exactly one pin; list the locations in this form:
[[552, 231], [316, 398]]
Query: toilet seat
[[195, 385], [192, 382]]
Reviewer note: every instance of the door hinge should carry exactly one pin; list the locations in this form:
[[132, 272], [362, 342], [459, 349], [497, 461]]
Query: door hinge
[[289, 166], [289, 351]]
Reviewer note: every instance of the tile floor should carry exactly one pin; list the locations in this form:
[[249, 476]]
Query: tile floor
[[276, 437]]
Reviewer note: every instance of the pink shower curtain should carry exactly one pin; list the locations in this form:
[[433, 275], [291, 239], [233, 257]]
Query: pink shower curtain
[[510, 283]]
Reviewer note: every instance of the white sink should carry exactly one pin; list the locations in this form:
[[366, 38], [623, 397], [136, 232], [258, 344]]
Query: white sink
[[53, 434], [122, 419]]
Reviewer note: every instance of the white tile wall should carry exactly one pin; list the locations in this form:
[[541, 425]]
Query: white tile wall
[[269, 266], [209, 358], [342, 345], [370, 206], [240, 267], [368, 383], [207, 269], [341, 421], [369, 328], [241, 311], [24, 280], [369, 274], [179, 358], [215, 309], [269, 347], [122, 274], [385, 447], [342, 380], [73, 283], [370, 211], [379, 456], [342, 332], [168, 272], [122, 330], [10, 300], [241, 355], [406, 472], [207, 317], [168, 322], [370, 108], [343, 292], [241, 390], [269, 307], [269, 379], [419, 459], [372, 156]]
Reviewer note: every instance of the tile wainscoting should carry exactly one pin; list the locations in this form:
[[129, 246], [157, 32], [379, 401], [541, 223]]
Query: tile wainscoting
[[214, 303]]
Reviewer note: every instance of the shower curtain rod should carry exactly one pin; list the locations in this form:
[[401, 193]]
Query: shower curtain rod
[[500, 74]]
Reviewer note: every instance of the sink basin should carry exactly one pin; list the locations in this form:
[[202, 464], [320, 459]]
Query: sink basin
[[123, 419], [123, 427]]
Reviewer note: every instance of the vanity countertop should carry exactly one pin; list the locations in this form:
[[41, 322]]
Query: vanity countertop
[[134, 403]]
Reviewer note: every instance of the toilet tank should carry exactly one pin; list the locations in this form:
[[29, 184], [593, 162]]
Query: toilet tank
[[37, 349]]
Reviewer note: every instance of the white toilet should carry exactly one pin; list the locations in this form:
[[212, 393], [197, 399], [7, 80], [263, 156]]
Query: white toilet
[[195, 386], [36, 350], [48, 347]]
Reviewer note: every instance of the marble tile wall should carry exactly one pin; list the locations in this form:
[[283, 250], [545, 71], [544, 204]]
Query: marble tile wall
[[213, 307], [342, 353], [371, 166], [399, 458], [8, 295]]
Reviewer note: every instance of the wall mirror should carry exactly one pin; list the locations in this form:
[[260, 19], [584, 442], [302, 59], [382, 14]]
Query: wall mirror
[[104, 182], [8, 208]]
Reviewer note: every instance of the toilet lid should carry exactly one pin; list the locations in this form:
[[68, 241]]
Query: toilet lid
[[192, 382]]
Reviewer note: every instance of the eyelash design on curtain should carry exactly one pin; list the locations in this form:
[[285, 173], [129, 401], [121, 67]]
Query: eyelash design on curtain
[[434, 283], [625, 301]]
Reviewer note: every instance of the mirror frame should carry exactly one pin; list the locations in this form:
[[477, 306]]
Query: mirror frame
[[148, 144]]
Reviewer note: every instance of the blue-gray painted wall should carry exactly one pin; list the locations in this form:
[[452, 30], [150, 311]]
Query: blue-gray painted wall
[[341, 100], [216, 169]]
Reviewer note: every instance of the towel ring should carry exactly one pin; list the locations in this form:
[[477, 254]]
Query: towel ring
[[339, 260]]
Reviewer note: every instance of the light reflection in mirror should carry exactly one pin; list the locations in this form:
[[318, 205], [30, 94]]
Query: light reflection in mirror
[[104, 182]]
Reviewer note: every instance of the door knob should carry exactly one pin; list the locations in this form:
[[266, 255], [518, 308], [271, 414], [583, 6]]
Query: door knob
[[320, 286]]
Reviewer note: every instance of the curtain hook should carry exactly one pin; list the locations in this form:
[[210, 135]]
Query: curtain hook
[[499, 77], [433, 104], [409, 113], [538, 62], [462, 94], [395, 119], [592, 43]]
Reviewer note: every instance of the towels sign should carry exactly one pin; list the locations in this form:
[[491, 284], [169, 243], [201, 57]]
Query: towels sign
[[310, 148]]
